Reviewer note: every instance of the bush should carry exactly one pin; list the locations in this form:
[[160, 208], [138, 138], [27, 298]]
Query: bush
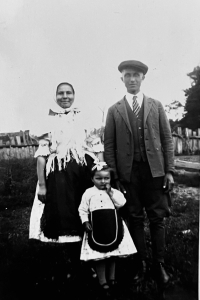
[[17, 181], [182, 239]]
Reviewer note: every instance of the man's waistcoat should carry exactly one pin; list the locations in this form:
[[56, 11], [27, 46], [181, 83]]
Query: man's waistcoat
[[137, 132]]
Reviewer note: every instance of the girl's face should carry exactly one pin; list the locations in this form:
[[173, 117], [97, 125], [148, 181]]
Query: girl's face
[[101, 179], [65, 96]]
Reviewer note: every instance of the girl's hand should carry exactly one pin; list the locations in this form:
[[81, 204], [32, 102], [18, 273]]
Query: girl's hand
[[87, 226], [108, 190], [42, 193]]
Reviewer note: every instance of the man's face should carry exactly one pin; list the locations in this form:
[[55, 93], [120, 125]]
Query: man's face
[[132, 79]]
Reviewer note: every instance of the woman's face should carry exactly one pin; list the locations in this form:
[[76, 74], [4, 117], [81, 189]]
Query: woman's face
[[65, 96]]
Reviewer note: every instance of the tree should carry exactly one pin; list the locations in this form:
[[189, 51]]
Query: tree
[[192, 106], [175, 112]]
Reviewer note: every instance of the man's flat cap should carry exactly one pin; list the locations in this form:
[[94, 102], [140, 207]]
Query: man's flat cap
[[133, 64]]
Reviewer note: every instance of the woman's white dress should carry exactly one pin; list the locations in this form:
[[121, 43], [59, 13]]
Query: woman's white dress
[[67, 140]]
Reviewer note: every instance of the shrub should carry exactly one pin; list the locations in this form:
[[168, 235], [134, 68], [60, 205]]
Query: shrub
[[17, 180], [182, 238]]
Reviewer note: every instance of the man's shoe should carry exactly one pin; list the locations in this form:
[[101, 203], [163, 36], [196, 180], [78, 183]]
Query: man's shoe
[[141, 272], [160, 274]]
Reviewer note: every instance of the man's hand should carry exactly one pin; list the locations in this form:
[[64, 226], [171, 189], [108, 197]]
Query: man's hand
[[87, 226], [42, 193], [168, 183], [119, 186]]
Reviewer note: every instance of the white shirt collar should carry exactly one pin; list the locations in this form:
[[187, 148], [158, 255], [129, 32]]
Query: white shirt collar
[[94, 190], [129, 98]]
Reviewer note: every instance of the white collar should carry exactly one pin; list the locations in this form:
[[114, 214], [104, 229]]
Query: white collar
[[129, 98], [59, 110], [96, 189]]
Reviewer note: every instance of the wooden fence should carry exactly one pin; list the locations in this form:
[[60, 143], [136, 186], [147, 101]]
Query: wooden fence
[[17, 144], [186, 141], [22, 145]]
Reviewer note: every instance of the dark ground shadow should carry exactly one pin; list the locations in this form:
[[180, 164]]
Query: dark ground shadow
[[40, 271]]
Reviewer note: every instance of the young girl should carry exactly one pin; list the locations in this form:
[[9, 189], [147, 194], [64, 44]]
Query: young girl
[[97, 212]]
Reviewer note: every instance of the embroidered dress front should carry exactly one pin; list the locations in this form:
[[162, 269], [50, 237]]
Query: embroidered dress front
[[64, 148]]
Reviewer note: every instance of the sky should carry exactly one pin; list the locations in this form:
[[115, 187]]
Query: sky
[[45, 42]]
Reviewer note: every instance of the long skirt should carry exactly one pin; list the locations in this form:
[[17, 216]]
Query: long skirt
[[58, 220]]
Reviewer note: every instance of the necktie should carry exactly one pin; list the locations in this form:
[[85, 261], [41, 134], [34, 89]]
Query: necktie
[[136, 107]]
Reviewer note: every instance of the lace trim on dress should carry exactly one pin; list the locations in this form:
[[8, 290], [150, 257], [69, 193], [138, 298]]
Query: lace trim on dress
[[43, 149], [56, 162]]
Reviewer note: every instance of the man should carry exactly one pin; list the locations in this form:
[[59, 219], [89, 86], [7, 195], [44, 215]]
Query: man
[[139, 147]]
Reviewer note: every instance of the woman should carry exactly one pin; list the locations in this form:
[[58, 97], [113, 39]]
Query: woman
[[62, 174]]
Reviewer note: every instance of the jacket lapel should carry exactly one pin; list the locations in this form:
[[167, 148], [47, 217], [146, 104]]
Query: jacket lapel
[[121, 107], [147, 106]]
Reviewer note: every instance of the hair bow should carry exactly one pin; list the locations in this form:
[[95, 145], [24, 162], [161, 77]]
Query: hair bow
[[99, 165]]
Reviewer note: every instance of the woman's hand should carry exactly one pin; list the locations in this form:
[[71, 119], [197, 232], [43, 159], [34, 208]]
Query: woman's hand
[[87, 226], [42, 193], [41, 163]]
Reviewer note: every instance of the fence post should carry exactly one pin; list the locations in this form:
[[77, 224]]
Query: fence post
[[179, 129], [179, 141], [194, 143]]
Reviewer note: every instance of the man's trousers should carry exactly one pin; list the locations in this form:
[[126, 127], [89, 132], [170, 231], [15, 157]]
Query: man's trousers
[[146, 194]]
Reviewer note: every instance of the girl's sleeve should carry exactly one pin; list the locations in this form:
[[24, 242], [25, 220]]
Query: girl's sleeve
[[44, 145], [118, 198], [84, 208]]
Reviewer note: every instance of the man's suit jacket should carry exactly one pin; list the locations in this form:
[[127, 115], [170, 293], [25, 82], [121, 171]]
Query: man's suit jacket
[[118, 141]]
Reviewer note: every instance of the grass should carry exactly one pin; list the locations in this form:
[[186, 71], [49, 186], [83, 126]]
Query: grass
[[42, 268], [182, 237]]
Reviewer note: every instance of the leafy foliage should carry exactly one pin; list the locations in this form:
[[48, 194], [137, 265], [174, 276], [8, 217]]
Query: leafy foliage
[[182, 241], [17, 181], [192, 107]]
